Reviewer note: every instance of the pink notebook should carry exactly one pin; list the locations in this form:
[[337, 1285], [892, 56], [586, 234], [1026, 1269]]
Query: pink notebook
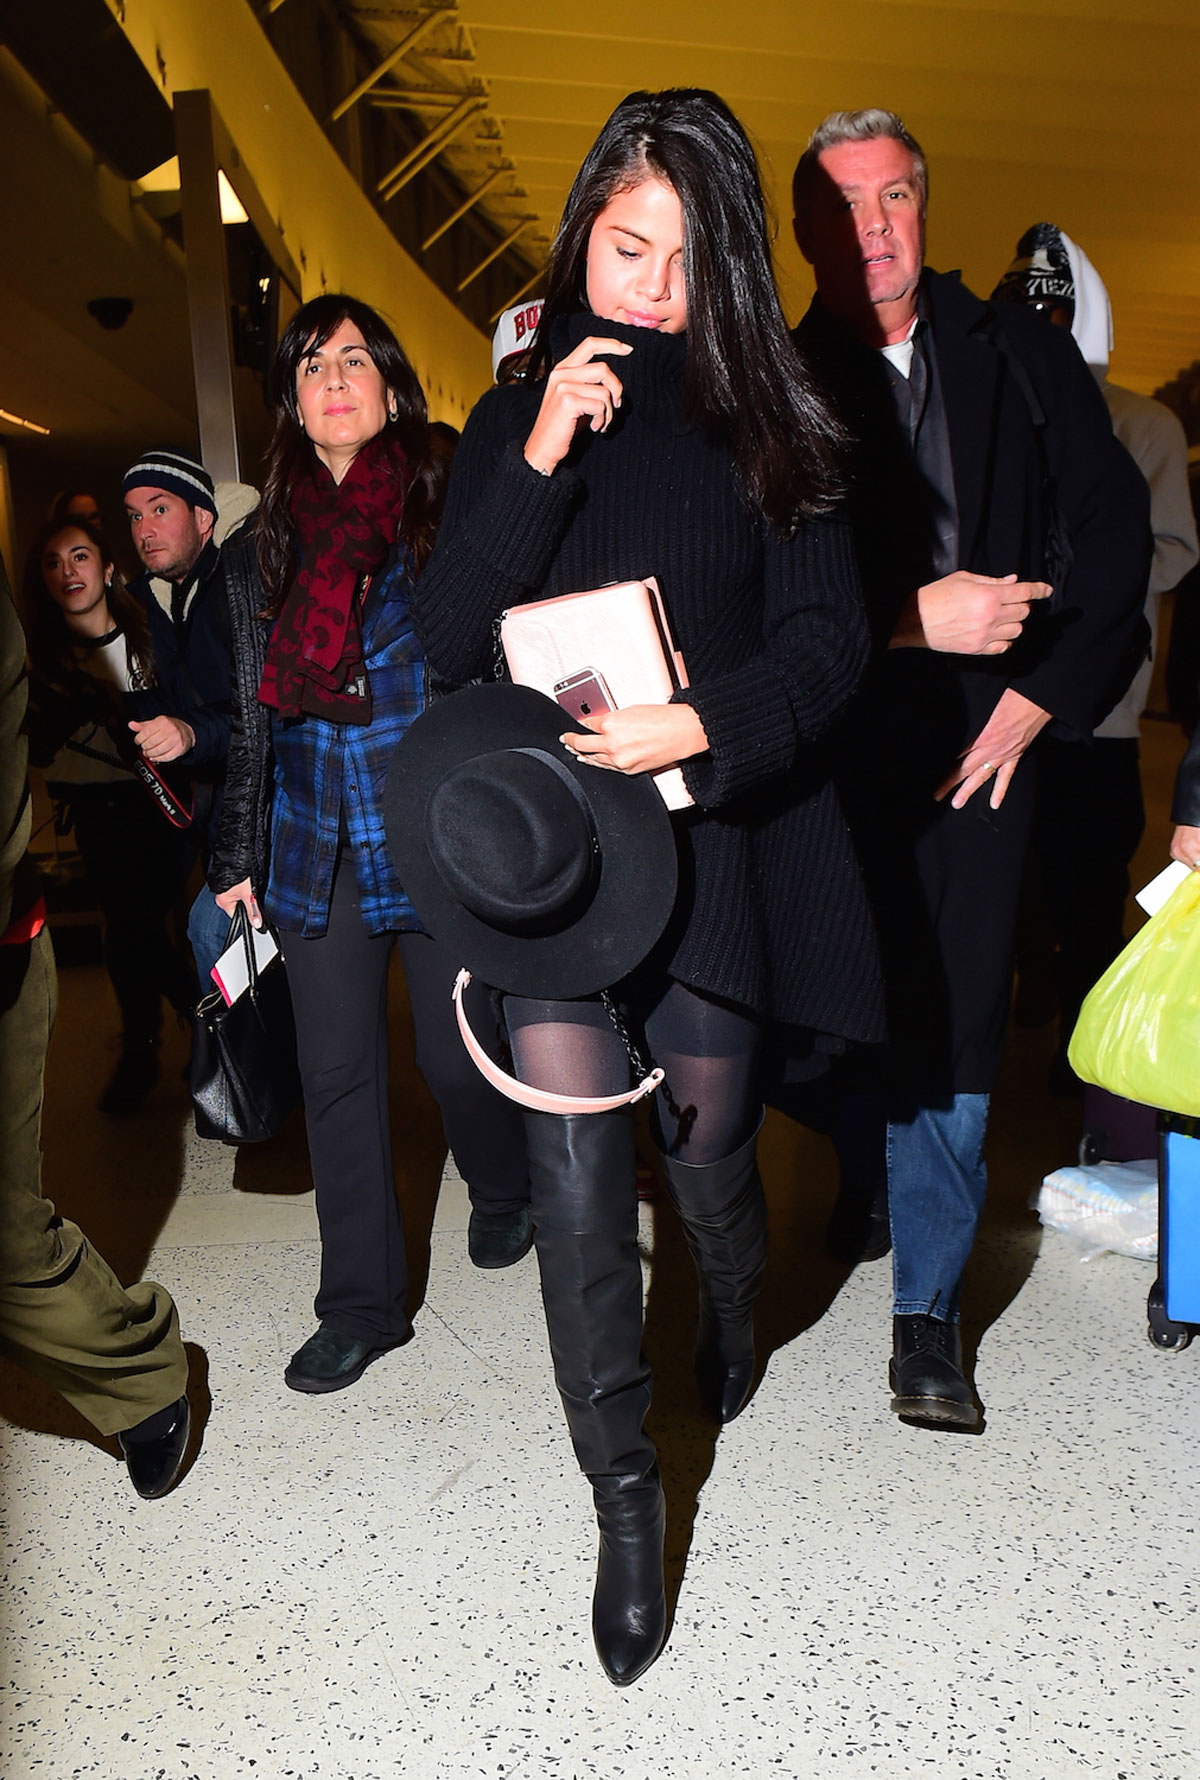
[[619, 634]]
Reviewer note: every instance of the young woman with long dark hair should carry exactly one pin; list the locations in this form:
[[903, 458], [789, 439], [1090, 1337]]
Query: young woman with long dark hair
[[328, 674], [671, 429], [90, 657]]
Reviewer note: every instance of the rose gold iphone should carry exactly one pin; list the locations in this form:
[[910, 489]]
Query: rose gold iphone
[[584, 694]]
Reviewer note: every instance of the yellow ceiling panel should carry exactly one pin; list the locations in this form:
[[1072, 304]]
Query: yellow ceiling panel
[[1079, 112]]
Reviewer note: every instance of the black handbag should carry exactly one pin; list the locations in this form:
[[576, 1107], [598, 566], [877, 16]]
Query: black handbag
[[244, 1076]]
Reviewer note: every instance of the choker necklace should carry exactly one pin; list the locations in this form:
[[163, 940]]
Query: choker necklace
[[110, 636]]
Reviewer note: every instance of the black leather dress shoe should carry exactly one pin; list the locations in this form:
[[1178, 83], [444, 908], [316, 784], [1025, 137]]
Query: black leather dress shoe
[[154, 1449], [329, 1361], [498, 1238], [926, 1373]]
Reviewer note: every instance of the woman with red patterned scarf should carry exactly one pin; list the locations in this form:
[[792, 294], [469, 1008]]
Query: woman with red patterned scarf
[[328, 674]]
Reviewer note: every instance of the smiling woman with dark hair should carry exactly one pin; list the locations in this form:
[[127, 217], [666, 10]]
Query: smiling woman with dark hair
[[328, 675], [91, 658]]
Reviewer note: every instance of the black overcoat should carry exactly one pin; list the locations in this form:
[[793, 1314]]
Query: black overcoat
[[1036, 468], [1185, 804]]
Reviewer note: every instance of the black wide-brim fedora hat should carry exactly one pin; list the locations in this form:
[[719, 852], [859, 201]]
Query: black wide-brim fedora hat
[[547, 877]]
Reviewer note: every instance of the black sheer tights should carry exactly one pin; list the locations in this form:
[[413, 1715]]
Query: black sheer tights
[[707, 1107]]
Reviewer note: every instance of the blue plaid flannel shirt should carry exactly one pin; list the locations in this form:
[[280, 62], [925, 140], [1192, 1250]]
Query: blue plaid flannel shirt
[[330, 774]]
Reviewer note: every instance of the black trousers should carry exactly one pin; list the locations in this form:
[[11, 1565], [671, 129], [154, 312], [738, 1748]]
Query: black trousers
[[339, 994], [945, 886], [137, 865]]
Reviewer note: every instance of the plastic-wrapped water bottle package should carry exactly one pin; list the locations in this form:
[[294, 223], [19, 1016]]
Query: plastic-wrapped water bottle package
[[1107, 1207]]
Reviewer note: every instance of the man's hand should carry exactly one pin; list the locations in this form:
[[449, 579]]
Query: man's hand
[[996, 750], [164, 738], [639, 739], [966, 614], [1185, 846]]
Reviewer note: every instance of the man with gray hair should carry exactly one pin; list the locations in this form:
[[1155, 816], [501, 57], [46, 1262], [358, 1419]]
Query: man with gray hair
[[1004, 545]]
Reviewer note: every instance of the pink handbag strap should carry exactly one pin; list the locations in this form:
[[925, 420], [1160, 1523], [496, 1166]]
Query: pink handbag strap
[[537, 1099]]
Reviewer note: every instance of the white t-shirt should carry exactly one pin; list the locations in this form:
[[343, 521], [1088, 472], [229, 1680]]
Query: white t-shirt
[[107, 662], [901, 354]]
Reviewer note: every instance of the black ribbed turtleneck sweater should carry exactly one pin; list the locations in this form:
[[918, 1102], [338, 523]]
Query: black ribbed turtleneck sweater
[[771, 629]]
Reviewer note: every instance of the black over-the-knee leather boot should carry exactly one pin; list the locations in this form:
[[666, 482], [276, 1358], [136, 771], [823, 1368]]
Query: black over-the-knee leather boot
[[724, 1216], [584, 1199]]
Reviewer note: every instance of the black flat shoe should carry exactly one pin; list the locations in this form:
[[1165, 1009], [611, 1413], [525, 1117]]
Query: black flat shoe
[[154, 1456], [928, 1384], [329, 1361], [499, 1238]]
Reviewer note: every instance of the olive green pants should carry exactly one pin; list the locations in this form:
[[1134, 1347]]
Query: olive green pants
[[115, 1354]]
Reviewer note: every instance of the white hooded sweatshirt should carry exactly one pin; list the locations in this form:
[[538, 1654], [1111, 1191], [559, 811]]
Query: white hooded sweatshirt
[[1157, 444]]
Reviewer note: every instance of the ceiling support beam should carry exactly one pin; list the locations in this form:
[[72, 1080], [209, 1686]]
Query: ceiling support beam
[[516, 297], [495, 254], [431, 145], [389, 62], [207, 283], [414, 98], [247, 193], [468, 204]]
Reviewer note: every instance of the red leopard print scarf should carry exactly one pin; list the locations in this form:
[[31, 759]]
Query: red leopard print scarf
[[344, 530]]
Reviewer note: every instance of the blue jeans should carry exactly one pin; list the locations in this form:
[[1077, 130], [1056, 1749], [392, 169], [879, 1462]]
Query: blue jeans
[[932, 1156], [937, 1181], [208, 935]]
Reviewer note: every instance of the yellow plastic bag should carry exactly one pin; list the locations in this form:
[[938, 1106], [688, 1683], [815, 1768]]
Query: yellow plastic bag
[[1138, 1033]]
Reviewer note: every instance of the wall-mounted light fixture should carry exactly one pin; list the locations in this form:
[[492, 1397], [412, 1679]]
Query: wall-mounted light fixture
[[162, 184]]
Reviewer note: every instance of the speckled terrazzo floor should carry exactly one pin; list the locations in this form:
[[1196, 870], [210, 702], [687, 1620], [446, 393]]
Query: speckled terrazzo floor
[[394, 1580]]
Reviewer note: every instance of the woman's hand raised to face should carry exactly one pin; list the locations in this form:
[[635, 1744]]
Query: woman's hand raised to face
[[581, 387]]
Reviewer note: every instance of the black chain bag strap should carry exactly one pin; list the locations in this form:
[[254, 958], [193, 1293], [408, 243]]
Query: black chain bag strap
[[244, 1075], [640, 1067]]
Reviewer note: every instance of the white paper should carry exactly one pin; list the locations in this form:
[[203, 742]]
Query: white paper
[[229, 973], [1156, 892]]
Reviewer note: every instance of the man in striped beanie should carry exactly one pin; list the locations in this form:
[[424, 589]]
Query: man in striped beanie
[[182, 721]]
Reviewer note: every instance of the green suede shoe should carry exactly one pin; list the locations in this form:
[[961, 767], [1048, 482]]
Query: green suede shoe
[[499, 1238]]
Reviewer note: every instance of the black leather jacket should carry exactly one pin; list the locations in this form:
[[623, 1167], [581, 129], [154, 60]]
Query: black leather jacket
[[241, 845]]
